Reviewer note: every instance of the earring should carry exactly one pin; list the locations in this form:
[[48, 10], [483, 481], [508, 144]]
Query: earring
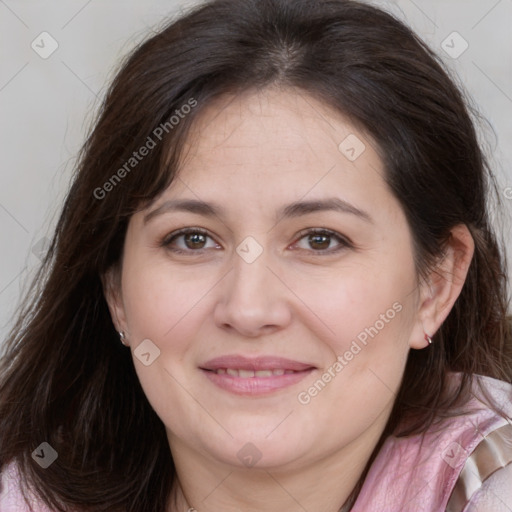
[[122, 337], [428, 338]]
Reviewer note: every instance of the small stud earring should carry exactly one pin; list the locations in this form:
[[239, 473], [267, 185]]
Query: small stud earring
[[122, 337], [428, 338]]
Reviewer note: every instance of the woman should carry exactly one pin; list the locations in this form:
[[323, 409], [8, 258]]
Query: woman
[[273, 284]]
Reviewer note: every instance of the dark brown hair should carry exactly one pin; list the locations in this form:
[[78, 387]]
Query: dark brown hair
[[65, 377]]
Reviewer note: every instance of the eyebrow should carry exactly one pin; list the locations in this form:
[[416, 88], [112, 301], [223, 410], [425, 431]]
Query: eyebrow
[[292, 210]]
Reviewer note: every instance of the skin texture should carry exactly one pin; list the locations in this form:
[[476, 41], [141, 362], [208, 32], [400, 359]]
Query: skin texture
[[252, 155]]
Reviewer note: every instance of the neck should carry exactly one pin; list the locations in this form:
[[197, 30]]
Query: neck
[[264, 490], [327, 484]]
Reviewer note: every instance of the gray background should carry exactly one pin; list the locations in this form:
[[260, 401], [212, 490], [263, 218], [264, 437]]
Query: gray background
[[47, 105]]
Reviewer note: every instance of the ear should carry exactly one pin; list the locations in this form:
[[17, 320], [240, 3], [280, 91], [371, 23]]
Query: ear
[[111, 282], [441, 289]]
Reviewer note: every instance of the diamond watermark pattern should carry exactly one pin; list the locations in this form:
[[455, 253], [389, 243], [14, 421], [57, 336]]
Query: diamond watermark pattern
[[44, 45], [451, 454], [147, 352], [454, 45], [40, 248], [44, 455], [249, 455], [352, 147], [249, 249]]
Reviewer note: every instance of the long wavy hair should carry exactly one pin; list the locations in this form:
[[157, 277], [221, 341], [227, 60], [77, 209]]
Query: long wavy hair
[[65, 377]]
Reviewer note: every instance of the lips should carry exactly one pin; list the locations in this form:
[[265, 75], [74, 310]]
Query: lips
[[254, 376], [264, 363], [247, 374]]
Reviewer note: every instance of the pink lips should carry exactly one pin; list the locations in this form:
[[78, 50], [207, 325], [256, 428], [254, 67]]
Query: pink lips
[[254, 376], [258, 363]]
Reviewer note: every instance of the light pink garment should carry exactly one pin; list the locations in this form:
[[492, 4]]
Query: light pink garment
[[11, 499], [411, 475], [408, 475]]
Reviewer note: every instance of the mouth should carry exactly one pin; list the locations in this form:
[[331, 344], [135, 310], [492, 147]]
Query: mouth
[[248, 374], [257, 376]]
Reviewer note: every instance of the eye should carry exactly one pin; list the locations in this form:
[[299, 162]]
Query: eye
[[322, 241], [195, 240], [188, 240]]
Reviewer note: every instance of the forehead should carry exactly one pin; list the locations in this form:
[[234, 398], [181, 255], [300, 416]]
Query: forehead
[[254, 153], [287, 122], [276, 134]]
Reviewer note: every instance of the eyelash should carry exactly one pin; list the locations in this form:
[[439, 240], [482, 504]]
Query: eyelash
[[344, 243]]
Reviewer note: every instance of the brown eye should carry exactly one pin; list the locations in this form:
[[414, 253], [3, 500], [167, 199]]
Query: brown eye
[[189, 240], [194, 240], [320, 242]]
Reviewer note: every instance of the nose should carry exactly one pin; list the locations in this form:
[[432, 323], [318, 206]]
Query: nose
[[253, 299]]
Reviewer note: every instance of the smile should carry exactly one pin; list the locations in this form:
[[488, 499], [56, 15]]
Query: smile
[[247, 374]]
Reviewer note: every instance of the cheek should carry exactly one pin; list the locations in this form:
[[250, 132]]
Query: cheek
[[159, 301], [360, 302], [370, 316], [166, 308]]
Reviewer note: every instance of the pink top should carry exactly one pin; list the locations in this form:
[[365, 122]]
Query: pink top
[[409, 475], [462, 465]]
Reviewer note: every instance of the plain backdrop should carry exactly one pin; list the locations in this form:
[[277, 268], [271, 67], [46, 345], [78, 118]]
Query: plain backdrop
[[48, 101]]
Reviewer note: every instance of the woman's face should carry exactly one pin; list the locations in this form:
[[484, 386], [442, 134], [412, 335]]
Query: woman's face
[[298, 264]]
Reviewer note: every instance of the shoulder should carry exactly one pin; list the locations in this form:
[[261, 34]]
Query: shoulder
[[11, 497], [485, 481], [420, 472], [494, 494]]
